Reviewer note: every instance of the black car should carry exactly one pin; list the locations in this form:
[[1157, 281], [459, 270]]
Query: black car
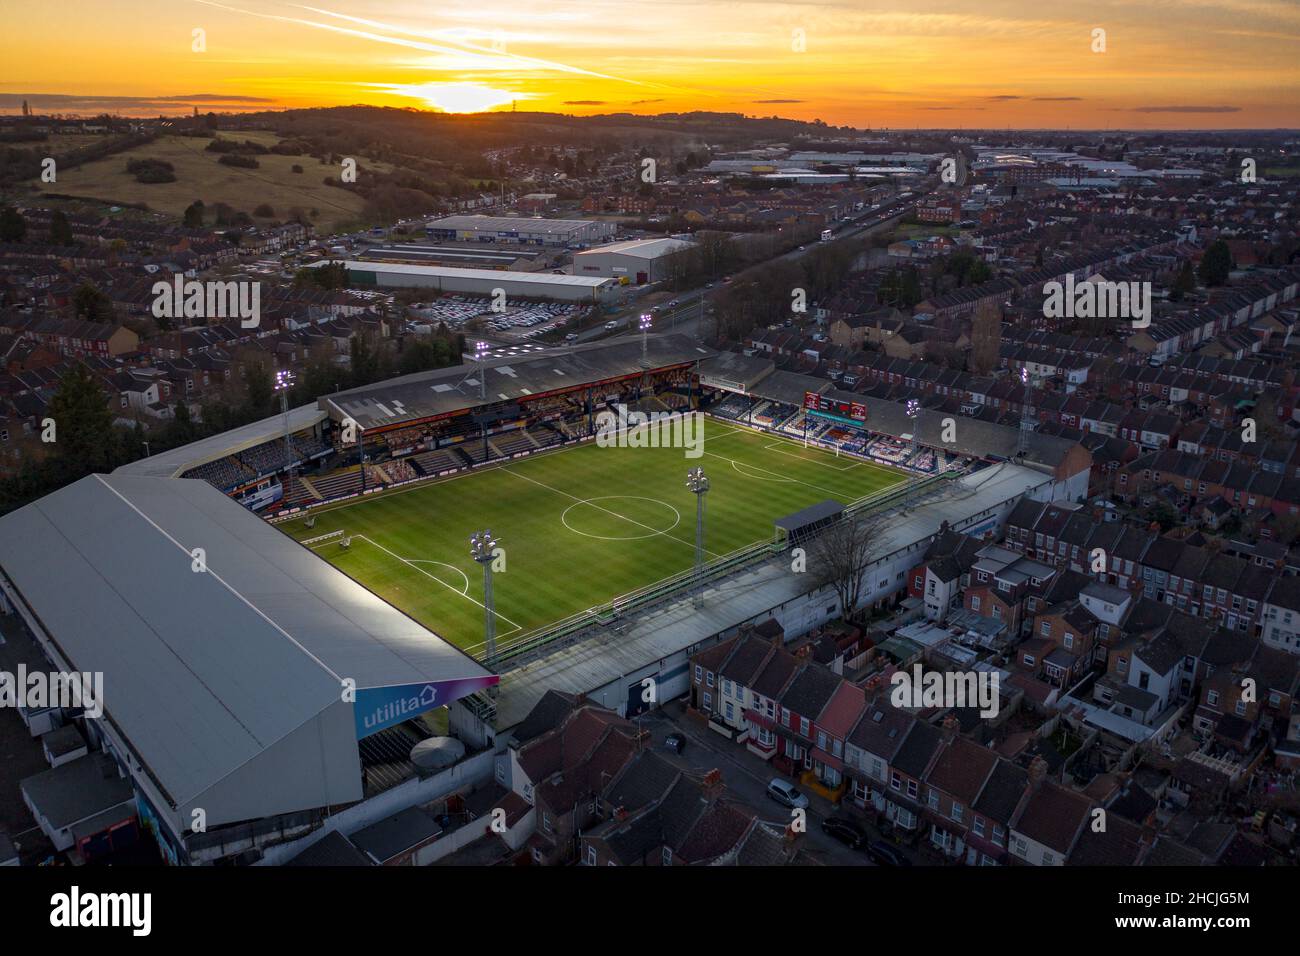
[[675, 742], [846, 831], [887, 855]]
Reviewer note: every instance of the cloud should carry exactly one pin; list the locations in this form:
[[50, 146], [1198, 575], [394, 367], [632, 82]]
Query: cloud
[[944, 109], [1185, 109], [1058, 99], [585, 102], [643, 102], [1003, 97], [71, 102], [778, 101]]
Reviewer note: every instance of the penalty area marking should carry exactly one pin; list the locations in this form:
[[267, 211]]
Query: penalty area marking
[[433, 577]]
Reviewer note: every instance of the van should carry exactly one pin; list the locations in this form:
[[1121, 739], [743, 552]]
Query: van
[[611, 325], [785, 794]]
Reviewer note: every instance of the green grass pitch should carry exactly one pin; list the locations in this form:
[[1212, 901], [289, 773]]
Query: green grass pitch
[[579, 527]]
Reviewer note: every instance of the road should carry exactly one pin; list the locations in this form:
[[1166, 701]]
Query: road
[[686, 316], [746, 777]]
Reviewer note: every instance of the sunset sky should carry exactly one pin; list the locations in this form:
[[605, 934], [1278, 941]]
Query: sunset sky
[[899, 63]]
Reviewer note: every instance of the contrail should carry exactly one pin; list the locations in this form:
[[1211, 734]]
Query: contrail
[[422, 45], [468, 45]]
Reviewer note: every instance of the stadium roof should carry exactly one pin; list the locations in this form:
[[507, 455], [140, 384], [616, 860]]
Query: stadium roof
[[510, 224], [509, 379], [451, 272], [225, 683], [177, 461]]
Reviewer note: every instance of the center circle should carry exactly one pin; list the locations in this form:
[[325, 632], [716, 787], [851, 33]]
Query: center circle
[[613, 514]]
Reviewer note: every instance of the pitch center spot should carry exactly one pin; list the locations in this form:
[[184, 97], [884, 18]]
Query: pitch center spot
[[591, 503]]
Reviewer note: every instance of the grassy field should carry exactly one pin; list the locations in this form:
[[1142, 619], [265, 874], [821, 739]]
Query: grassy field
[[200, 176], [578, 527]]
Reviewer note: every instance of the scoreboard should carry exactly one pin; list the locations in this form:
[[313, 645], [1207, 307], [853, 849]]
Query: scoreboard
[[855, 413]]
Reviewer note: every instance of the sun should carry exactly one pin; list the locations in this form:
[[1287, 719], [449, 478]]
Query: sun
[[458, 97]]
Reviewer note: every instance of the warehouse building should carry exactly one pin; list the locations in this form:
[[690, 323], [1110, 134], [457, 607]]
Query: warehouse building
[[532, 285], [459, 255], [527, 231], [639, 260]]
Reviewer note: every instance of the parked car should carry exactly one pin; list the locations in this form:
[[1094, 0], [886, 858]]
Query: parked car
[[571, 337], [886, 854], [786, 794], [846, 831], [675, 742], [611, 325]]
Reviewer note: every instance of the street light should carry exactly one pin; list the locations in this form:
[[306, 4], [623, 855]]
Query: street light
[[698, 483], [481, 548], [646, 321], [283, 382]]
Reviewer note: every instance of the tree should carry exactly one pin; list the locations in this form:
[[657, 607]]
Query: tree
[[258, 386], [12, 225], [1184, 283], [193, 218], [840, 556], [90, 304], [83, 436], [1215, 264], [60, 230]]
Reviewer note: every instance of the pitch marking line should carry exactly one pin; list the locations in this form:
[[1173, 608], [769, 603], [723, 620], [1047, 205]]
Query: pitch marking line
[[412, 565], [586, 501], [781, 448]]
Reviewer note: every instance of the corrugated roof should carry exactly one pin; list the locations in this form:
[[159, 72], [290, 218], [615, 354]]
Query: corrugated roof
[[206, 672]]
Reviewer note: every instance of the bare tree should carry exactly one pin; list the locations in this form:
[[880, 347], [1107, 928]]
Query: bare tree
[[840, 556]]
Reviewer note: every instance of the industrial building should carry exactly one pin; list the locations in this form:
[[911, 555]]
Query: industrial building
[[459, 255], [519, 229], [533, 285], [638, 260]]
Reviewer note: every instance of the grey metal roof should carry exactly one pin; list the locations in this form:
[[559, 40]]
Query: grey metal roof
[[509, 378], [176, 461], [77, 790], [226, 683]]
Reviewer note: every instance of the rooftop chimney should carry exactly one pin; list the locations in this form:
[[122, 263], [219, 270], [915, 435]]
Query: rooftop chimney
[[1037, 772]]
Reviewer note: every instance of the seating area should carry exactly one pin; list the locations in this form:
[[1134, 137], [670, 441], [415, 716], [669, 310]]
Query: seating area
[[297, 493], [436, 462], [223, 474], [338, 484], [512, 443]]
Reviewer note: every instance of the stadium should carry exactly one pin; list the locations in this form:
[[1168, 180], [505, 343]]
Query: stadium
[[335, 545]]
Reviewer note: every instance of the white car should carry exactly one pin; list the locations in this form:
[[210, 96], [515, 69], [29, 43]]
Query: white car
[[785, 793]]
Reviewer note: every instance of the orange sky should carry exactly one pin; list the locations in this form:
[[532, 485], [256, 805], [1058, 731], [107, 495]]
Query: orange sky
[[991, 63]]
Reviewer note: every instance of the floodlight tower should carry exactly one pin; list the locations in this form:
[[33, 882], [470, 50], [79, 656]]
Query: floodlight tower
[[1026, 414], [283, 382], [481, 350], [481, 548], [913, 412], [698, 483], [646, 320]]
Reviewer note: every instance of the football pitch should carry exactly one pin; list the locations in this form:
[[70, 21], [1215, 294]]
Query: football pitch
[[578, 527]]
